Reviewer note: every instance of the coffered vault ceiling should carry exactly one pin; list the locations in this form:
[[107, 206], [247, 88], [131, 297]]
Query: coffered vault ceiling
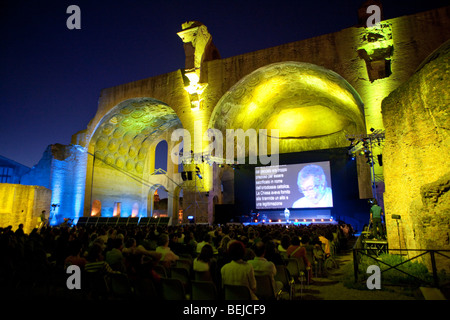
[[125, 135], [312, 107]]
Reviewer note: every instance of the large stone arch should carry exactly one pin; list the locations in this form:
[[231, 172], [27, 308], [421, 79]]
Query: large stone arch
[[122, 155], [312, 107]]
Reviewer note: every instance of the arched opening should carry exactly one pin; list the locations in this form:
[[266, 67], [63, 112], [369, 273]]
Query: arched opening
[[128, 144], [157, 201], [161, 156]]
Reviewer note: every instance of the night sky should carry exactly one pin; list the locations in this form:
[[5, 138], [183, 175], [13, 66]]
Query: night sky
[[51, 77]]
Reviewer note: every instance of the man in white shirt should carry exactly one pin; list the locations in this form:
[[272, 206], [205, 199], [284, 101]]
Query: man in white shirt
[[168, 257], [262, 266], [238, 271]]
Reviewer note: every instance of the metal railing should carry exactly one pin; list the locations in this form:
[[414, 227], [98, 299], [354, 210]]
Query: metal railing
[[359, 251]]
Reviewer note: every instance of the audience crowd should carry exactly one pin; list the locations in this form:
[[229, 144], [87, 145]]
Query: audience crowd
[[225, 254]]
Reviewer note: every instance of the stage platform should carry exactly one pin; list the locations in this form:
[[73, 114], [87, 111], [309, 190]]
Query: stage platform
[[372, 246], [294, 222]]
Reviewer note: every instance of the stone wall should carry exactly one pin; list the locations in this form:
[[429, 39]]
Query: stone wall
[[63, 170], [22, 204], [416, 157]]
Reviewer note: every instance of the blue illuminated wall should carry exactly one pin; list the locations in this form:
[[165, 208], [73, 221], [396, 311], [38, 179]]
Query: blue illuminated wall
[[63, 170]]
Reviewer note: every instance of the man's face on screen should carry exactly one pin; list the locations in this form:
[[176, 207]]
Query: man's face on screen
[[313, 188]]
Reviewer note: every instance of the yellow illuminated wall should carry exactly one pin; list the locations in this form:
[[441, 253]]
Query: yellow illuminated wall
[[23, 204], [417, 170]]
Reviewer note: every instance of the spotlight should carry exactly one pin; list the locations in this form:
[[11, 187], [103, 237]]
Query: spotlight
[[365, 144], [351, 142], [186, 175], [197, 172], [380, 159]]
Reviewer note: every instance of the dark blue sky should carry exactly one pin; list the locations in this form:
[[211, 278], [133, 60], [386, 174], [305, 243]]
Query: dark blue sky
[[51, 77]]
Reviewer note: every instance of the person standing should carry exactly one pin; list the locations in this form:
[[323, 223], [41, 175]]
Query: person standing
[[376, 212], [42, 220]]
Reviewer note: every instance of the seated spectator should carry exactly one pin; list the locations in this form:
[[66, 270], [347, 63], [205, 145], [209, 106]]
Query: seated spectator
[[207, 239], [168, 257], [238, 271], [112, 234], [285, 242], [318, 253], [114, 257], [296, 251], [262, 266], [205, 263], [272, 253], [103, 236], [305, 242], [223, 245], [190, 243], [131, 248], [324, 238], [249, 254], [75, 255], [175, 245], [96, 261], [222, 252]]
